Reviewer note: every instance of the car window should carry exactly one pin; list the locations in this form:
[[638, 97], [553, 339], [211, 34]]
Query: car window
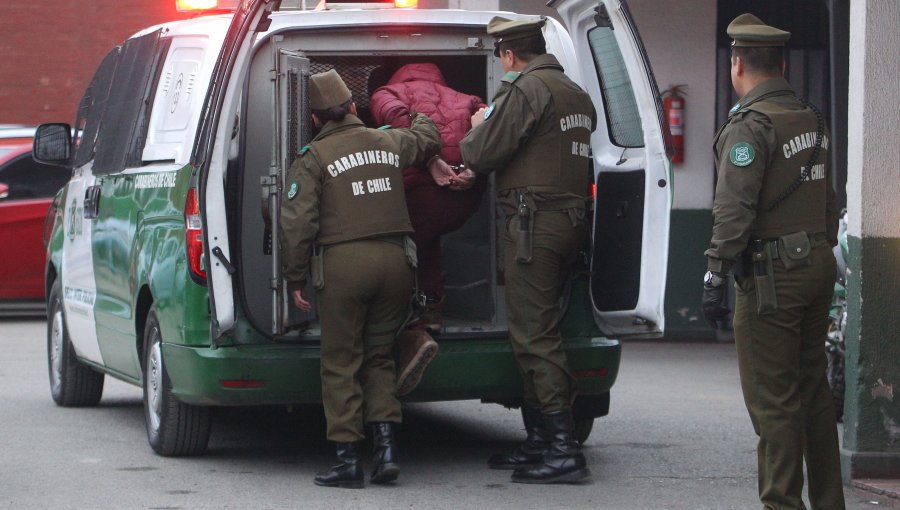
[[622, 115], [93, 107], [28, 179]]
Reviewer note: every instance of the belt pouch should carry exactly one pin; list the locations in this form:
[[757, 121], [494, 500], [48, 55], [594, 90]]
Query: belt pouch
[[794, 250], [764, 278], [317, 268], [524, 229]]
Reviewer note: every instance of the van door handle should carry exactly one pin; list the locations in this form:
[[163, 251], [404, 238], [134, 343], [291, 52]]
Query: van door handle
[[92, 202]]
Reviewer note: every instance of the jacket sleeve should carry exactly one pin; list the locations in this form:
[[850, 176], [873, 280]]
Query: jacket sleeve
[[511, 118], [388, 108], [418, 143], [300, 219], [738, 189]]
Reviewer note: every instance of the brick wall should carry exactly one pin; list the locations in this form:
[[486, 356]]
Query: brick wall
[[49, 50]]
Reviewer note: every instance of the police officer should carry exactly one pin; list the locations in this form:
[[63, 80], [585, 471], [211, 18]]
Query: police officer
[[535, 135], [344, 220], [776, 219]]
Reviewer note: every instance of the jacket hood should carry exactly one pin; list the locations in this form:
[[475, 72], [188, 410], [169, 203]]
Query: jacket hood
[[418, 72]]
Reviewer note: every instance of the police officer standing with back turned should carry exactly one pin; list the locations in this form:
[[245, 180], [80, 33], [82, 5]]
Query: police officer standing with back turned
[[344, 221], [536, 136], [776, 219]]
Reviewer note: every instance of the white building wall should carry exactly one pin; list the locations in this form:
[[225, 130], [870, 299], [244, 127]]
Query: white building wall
[[680, 39], [873, 182]]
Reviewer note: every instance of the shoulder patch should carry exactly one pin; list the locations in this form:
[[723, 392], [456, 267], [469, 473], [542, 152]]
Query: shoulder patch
[[489, 111], [741, 154], [293, 191], [304, 150], [511, 77], [384, 127]]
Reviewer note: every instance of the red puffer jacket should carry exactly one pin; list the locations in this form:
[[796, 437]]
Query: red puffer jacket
[[422, 88]]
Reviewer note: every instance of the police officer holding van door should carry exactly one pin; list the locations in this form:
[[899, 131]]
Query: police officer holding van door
[[536, 136], [344, 222], [776, 219]]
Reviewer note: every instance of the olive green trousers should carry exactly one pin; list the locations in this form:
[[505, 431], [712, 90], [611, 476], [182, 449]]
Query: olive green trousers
[[368, 285], [781, 358], [533, 291]]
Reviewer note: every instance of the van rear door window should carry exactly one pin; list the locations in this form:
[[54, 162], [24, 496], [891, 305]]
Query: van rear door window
[[622, 115]]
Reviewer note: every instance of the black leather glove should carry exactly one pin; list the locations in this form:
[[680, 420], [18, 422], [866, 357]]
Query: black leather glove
[[713, 301]]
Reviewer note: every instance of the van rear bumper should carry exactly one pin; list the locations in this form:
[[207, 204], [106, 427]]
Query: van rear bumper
[[289, 374]]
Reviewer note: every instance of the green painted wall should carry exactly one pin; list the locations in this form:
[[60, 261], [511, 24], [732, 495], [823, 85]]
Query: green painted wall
[[872, 409], [689, 234]]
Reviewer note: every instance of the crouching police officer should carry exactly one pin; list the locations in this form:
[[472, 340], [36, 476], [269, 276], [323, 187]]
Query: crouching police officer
[[536, 136], [344, 220], [776, 219]]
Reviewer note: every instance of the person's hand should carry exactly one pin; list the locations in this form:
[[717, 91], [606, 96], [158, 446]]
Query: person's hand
[[299, 302], [440, 171], [712, 303], [463, 180], [478, 117]]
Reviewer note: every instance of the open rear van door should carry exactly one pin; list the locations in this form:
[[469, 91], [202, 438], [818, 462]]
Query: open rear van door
[[631, 169], [210, 155]]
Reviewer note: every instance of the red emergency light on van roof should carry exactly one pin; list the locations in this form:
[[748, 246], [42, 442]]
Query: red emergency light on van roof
[[196, 5], [230, 5]]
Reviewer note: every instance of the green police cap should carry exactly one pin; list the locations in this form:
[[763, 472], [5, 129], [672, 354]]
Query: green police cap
[[327, 90], [749, 31], [507, 30]]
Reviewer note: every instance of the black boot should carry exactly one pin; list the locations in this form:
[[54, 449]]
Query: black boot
[[348, 474], [384, 453], [531, 451], [563, 461]]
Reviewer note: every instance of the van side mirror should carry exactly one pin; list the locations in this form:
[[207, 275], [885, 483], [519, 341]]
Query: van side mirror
[[52, 144]]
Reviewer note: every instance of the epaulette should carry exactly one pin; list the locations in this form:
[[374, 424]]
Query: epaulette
[[304, 150], [511, 77], [384, 127]]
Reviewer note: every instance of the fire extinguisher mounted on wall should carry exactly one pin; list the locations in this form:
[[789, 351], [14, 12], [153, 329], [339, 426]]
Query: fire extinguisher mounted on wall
[[673, 104]]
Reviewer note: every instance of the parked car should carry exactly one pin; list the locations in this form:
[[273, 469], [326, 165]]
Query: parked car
[[27, 189], [161, 268]]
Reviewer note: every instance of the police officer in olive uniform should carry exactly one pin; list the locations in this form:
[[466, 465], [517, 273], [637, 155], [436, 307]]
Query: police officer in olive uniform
[[344, 221], [536, 136], [776, 219]]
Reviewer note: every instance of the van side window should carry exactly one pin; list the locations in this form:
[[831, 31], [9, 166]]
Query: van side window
[[123, 128], [93, 107], [622, 115]]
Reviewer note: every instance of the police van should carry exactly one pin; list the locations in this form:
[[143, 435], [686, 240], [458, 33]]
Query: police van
[[162, 264]]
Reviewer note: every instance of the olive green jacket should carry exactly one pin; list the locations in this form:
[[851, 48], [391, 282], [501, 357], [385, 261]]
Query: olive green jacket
[[760, 153], [347, 184], [536, 135]]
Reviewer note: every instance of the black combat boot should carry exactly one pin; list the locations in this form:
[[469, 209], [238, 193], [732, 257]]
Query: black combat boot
[[563, 461], [531, 451], [348, 474], [384, 453]]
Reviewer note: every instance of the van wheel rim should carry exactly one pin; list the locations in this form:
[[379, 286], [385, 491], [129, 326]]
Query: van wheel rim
[[154, 381], [56, 345]]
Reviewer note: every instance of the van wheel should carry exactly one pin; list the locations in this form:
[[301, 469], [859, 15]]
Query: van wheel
[[174, 429], [583, 427], [72, 384]]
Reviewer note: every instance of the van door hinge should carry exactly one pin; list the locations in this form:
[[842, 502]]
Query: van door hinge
[[224, 260], [273, 73]]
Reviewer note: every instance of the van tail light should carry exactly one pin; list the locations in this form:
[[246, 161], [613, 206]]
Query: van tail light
[[411, 4], [193, 232]]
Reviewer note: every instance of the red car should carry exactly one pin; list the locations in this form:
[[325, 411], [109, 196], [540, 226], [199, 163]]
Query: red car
[[27, 189]]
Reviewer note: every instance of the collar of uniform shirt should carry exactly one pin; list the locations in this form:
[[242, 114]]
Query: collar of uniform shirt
[[331, 127], [773, 86]]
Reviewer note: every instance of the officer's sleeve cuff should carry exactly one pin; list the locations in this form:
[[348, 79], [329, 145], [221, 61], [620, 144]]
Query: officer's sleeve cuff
[[720, 266]]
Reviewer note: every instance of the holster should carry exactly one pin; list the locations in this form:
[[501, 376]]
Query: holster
[[525, 229], [761, 253], [317, 267]]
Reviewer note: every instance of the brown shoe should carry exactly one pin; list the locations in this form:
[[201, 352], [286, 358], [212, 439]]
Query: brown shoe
[[417, 349], [431, 318]]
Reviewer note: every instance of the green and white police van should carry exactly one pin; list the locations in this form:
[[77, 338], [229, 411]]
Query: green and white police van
[[162, 264]]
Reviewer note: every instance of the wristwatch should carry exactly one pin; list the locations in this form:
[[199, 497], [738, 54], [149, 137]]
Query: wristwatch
[[711, 279]]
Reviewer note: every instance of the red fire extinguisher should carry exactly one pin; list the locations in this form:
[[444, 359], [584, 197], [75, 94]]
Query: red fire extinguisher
[[673, 104]]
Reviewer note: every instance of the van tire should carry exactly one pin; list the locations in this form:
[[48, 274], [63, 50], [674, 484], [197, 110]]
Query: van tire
[[174, 429], [72, 384], [583, 427]]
